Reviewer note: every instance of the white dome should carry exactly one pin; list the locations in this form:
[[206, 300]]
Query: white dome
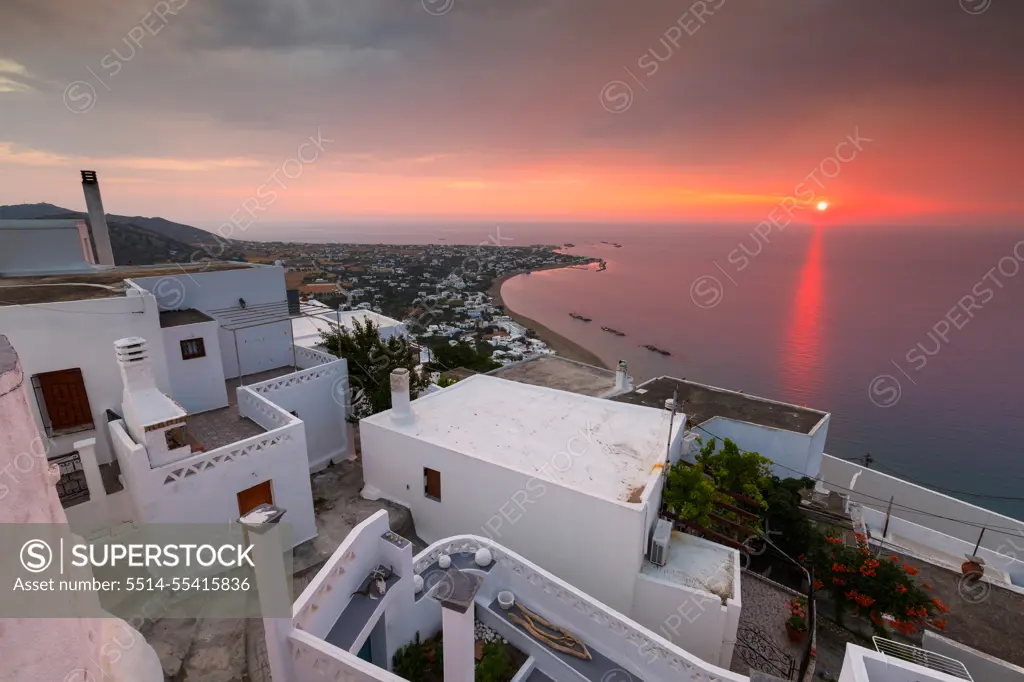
[[483, 557], [444, 561], [417, 583]]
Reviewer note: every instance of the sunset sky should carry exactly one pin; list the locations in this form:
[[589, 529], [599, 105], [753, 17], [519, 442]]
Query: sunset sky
[[516, 109]]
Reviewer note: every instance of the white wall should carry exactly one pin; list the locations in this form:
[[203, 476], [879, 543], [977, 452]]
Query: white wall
[[261, 348], [795, 452], [595, 544], [81, 334], [203, 488], [693, 619], [41, 246], [196, 384], [981, 666], [313, 395], [873, 489]]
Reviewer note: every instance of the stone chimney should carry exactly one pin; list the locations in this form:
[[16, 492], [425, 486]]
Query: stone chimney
[[621, 378], [97, 218], [150, 417], [401, 410]]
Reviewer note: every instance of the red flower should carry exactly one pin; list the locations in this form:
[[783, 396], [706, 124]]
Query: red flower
[[940, 606], [926, 586], [818, 584], [838, 581], [939, 623], [833, 541], [910, 569], [901, 589]]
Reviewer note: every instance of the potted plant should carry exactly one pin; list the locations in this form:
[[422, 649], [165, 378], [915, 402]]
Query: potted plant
[[796, 626], [974, 564]]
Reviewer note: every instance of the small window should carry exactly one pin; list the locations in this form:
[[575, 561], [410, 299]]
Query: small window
[[432, 484], [63, 402], [192, 348]]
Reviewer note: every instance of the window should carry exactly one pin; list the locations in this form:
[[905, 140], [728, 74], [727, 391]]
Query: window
[[432, 484], [63, 402], [192, 348]]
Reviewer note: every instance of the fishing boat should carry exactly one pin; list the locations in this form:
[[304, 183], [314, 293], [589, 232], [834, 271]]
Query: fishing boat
[[655, 349], [613, 331], [581, 318]]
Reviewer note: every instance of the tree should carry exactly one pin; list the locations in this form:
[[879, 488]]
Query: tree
[[446, 357], [370, 363], [690, 493], [742, 473]]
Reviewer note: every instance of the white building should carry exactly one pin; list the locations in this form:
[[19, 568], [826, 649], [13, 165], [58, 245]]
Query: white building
[[792, 437], [319, 318], [373, 597], [571, 480]]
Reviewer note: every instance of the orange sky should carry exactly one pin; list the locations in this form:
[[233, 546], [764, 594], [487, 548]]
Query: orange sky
[[538, 111]]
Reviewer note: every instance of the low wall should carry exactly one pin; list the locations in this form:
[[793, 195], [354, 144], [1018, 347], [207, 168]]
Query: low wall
[[306, 358], [317, 397], [873, 489], [982, 667], [953, 549]]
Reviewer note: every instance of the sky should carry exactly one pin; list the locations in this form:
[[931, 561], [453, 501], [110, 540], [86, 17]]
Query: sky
[[894, 111]]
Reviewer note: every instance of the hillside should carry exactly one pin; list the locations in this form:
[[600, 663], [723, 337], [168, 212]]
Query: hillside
[[137, 240]]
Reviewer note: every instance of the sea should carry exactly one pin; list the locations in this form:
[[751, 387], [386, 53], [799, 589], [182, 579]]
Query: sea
[[911, 337]]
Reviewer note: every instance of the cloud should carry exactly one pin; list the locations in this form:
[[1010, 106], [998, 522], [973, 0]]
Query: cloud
[[15, 155]]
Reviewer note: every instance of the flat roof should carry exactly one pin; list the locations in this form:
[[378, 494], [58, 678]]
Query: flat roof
[[564, 374], [177, 318], [101, 283], [595, 446], [701, 402], [306, 329], [696, 563]]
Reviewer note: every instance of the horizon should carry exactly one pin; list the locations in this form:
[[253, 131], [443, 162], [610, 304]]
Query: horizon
[[386, 111]]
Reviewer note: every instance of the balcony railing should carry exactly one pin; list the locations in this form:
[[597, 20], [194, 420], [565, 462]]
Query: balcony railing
[[927, 659]]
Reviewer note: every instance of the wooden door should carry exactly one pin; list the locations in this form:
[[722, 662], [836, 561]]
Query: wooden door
[[250, 498]]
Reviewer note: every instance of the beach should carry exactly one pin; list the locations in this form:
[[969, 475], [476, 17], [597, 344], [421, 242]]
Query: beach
[[556, 342]]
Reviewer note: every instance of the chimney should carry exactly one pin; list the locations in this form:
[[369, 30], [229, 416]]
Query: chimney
[[136, 368], [97, 219], [400, 408], [621, 378]]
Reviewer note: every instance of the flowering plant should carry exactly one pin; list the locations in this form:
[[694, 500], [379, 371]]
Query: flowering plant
[[884, 589], [798, 614]]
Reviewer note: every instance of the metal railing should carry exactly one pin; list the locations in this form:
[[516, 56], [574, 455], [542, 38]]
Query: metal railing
[[927, 659]]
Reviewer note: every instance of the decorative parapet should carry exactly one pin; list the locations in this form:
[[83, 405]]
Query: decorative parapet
[[306, 358], [262, 411], [306, 376], [650, 647], [197, 464]]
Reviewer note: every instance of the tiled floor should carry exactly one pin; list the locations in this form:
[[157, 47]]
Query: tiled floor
[[217, 428]]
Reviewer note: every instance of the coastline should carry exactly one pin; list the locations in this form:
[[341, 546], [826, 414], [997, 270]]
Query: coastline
[[555, 341]]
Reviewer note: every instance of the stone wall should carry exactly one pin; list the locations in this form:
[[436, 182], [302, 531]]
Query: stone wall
[[766, 608]]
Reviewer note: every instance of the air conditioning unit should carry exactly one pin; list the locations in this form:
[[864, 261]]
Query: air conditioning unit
[[660, 538]]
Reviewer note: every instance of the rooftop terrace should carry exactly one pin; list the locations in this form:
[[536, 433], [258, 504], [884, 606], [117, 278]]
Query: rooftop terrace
[[106, 283], [561, 373], [524, 428], [701, 403]]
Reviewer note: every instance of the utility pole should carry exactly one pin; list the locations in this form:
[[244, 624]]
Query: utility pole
[[888, 514]]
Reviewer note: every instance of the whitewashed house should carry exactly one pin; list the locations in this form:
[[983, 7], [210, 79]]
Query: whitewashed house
[[793, 437], [374, 597], [572, 481]]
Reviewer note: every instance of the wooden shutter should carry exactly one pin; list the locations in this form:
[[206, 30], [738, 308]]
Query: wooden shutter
[[432, 483], [67, 403]]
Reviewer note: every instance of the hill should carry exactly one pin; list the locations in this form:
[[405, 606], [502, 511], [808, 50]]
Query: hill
[[138, 240]]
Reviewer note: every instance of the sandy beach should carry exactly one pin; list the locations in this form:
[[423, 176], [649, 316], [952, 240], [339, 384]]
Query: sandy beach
[[555, 341]]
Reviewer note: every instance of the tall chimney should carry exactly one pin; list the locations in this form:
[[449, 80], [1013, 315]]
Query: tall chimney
[[133, 360], [97, 219], [621, 378], [400, 408]]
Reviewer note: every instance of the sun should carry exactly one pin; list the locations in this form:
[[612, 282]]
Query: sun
[[822, 205]]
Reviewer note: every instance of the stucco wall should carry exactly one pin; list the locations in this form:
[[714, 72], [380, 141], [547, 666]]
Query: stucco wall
[[312, 394], [795, 454], [41, 246], [693, 619], [50, 338], [595, 544], [170, 494], [196, 384], [874, 488], [261, 348]]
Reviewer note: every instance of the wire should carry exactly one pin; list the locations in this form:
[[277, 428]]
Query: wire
[[887, 503]]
